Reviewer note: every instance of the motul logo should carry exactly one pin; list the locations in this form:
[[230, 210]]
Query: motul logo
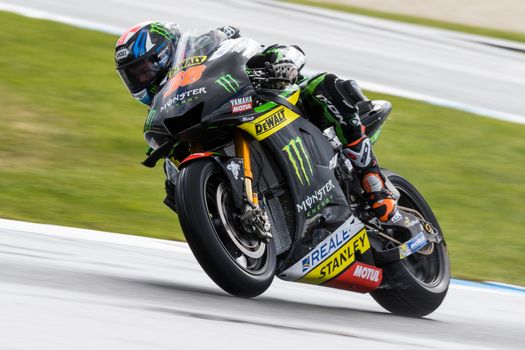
[[367, 273]]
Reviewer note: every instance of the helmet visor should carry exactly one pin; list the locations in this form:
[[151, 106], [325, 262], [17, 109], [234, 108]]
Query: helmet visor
[[139, 74]]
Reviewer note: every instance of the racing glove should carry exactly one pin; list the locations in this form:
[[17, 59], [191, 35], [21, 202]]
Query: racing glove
[[230, 31], [280, 62], [285, 70]]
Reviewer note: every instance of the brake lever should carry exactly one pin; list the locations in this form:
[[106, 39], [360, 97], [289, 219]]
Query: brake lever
[[263, 76]]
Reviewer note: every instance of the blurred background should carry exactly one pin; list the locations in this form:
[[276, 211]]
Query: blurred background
[[502, 15], [71, 135]]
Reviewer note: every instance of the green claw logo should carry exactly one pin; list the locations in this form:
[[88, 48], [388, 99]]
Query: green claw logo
[[161, 30], [228, 83], [149, 119], [296, 151]]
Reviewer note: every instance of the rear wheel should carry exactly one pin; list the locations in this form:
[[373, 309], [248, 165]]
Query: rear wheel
[[417, 285], [238, 262]]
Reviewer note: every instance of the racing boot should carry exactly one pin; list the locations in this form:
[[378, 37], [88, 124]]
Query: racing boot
[[381, 200]]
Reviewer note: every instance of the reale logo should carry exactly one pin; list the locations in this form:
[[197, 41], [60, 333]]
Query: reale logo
[[306, 264]]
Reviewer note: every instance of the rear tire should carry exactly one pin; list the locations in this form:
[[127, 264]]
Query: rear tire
[[417, 285], [237, 262]]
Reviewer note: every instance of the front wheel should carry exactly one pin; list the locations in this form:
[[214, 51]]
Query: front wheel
[[417, 285], [236, 261]]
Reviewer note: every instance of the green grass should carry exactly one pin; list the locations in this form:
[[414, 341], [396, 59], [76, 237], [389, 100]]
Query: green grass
[[502, 34], [72, 135], [471, 170], [72, 143]]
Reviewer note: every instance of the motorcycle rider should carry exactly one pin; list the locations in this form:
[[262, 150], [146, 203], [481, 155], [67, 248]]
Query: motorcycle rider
[[144, 55]]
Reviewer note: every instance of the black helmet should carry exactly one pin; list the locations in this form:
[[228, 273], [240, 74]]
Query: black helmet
[[144, 55]]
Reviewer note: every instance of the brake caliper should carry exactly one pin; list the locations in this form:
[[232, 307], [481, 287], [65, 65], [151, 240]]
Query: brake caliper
[[256, 221]]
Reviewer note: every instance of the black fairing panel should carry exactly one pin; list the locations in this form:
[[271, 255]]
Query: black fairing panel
[[318, 200], [188, 110]]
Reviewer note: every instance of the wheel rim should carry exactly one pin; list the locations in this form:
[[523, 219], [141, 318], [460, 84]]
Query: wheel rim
[[245, 250], [427, 269], [252, 248]]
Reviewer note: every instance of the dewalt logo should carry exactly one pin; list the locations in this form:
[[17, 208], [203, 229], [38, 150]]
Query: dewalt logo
[[188, 62], [270, 122], [300, 160]]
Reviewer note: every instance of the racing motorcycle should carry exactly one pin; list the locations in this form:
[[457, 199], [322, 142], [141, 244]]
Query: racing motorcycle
[[261, 192]]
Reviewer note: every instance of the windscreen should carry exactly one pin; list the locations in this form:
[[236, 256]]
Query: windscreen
[[206, 81], [197, 45]]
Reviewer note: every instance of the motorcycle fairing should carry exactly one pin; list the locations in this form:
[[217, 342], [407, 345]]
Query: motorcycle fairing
[[207, 75], [335, 261], [247, 120], [308, 269], [304, 156], [358, 277], [269, 123]]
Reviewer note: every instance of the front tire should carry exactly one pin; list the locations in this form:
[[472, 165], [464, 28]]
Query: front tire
[[417, 285], [240, 264]]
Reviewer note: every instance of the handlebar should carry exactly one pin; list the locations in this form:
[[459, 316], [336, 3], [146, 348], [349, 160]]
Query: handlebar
[[263, 77]]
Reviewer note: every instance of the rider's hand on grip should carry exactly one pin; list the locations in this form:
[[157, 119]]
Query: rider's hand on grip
[[285, 70], [266, 72]]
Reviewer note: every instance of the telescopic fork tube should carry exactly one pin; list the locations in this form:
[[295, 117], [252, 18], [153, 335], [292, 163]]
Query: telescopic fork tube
[[242, 150]]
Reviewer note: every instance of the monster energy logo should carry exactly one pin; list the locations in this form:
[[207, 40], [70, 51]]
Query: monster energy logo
[[228, 83], [296, 151], [277, 51], [159, 29], [149, 119]]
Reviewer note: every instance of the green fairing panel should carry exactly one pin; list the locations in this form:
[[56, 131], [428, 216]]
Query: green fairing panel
[[287, 92]]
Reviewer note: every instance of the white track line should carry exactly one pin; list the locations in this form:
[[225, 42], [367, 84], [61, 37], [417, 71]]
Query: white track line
[[181, 247], [77, 22], [484, 112], [93, 235]]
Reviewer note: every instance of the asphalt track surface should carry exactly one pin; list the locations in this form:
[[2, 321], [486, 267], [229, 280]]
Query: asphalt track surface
[[463, 71], [64, 288]]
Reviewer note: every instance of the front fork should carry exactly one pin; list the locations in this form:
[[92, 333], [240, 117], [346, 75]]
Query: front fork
[[254, 219], [242, 150]]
